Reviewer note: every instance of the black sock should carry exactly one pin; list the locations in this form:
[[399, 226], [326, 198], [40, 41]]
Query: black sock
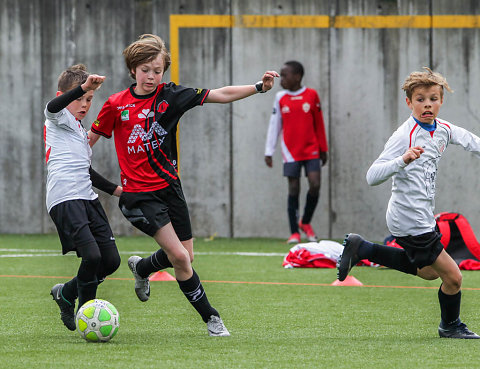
[[193, 290], [310, 205], [292, 208], [155, 262], [87, 280], [449, 306], [392, 257], [365, 250], [86, 291], [70, 290]]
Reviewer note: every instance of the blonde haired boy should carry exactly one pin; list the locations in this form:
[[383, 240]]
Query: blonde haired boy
[[144, 119], [411, 158]]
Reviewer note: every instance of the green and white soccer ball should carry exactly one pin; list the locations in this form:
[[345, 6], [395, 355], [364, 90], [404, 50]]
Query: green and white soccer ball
[[97, 321]]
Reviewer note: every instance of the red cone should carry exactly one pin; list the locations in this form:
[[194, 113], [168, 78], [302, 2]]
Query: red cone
[[161, 276], [349, 281]]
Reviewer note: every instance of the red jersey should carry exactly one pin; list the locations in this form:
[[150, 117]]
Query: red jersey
[[299, 115], [144, 128]]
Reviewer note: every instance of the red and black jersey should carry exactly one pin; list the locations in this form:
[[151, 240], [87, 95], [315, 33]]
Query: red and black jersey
[[144, 128]]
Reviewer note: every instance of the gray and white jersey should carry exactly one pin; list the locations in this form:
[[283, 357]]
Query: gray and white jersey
[[411, 207], [68, 157]]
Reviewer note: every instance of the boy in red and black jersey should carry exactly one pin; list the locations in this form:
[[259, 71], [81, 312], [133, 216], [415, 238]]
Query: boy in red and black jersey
[[144, 127], [144, 119]]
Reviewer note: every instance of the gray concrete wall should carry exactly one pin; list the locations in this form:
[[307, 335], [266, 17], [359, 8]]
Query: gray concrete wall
[[357, 72]]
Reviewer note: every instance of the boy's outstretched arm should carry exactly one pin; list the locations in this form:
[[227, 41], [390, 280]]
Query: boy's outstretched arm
[[232, 93]]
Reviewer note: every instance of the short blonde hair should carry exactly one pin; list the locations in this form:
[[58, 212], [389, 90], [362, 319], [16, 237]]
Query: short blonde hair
[[425, 78], [144, 50], [72, 77]]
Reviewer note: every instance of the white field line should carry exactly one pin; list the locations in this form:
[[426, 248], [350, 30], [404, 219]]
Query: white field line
[[27, 253]]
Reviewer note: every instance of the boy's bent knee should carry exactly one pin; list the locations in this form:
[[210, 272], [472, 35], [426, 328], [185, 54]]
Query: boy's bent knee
[[180, 258], [112, 264], [90, 254], [453, 283]]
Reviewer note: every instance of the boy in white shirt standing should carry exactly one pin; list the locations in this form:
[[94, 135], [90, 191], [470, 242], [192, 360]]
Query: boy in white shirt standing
[[411, 158]]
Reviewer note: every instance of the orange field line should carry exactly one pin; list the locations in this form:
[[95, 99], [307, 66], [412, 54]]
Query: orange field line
[[248, 282]]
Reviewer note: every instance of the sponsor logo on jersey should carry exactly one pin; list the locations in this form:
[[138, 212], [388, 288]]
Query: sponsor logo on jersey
[[430, 174], [146, 113], [285, 109], [125, 115], [123, 107], [146, 145], [199, 90], [97, 123], [300, 97], [306, 107]]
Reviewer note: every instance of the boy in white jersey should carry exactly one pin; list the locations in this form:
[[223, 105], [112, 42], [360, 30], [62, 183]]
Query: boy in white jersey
[[71, 202], [411, 157]]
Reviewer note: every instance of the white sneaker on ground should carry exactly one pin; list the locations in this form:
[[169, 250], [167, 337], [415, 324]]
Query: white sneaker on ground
[[216, 328], [142, 285]]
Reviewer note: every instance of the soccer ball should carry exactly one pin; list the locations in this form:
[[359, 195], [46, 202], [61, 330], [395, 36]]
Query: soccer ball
[[97, 321]]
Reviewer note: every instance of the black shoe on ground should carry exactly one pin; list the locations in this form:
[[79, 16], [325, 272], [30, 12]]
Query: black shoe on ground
[[459, 330], [66, 308], [349, 256]]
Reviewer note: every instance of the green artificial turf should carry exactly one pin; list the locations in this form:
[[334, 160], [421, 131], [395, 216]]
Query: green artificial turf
[[278, 318]]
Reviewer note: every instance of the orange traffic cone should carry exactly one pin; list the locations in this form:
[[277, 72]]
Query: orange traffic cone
[[161, 276], [349, 281]]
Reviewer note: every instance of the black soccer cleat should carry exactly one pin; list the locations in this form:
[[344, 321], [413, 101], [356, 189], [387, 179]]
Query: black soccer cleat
[[66, 308], [349, 256], [459, 330]]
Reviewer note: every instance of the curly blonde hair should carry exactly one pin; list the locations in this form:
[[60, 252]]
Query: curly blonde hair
[[144, 50], [425, 78]]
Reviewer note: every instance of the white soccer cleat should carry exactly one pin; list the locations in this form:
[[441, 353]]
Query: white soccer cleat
[[142, 285], [216, 328]]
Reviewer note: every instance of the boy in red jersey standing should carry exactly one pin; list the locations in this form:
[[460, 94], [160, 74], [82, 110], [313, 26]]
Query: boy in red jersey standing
[[144, 119], [297, 114]]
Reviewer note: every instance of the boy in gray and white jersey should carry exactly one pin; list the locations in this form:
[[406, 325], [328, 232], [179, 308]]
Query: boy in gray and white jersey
[[413, 186], [411, 158], [68, 163], [74, 207]]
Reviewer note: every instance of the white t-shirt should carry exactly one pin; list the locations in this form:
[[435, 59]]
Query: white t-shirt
[[410, 210], [68, 157]]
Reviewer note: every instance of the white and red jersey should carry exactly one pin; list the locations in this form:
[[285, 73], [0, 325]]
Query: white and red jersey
[[411, 207], [298, 116], [144, 127], [68, 157]]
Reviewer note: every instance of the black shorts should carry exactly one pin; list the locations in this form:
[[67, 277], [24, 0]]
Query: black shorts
[[150, 211], [422, 250], [81, 222], [294, 168]]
